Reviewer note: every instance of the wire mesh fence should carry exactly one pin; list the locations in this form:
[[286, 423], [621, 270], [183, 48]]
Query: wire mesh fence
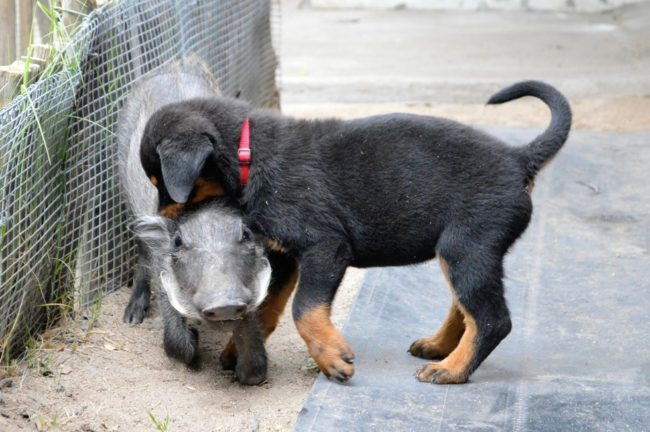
[[63, 225]]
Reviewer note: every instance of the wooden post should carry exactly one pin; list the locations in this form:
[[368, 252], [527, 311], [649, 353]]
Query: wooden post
[[8, 36], [11, 77], [25, 15]]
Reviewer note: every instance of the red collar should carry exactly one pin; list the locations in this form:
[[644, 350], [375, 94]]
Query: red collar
[[244, 152]]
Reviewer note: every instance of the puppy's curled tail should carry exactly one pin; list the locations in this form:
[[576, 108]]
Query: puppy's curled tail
[[545, 146]]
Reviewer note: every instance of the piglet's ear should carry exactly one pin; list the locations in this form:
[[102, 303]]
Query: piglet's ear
[[262, 279], [152, 230], [181, 164]]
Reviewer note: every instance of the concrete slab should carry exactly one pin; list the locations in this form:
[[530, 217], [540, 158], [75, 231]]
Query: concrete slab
[[375, 56], [577, 284]]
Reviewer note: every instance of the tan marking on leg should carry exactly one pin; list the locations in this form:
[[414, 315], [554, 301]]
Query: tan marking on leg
[[273, 305], [172, 210], [454, 369], [325, 344], [454, 326], [154, 180], [205, 189], [441, 344], [229, 356]]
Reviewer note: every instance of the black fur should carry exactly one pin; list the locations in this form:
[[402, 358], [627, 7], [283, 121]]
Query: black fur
[[180, 341], [385, 190], [251, 365], [140, 298]]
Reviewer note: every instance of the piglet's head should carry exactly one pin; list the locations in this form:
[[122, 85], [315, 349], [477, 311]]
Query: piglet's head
[[210, 265]]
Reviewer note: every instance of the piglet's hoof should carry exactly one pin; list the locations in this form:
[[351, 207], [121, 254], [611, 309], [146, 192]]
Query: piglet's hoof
[[136, 310], [252, 370], [182, 343]]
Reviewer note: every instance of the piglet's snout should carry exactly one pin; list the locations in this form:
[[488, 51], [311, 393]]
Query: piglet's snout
[[225, 312], [221, 296]]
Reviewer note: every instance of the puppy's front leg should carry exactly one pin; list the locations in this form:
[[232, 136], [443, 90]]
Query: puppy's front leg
[[321, 271]]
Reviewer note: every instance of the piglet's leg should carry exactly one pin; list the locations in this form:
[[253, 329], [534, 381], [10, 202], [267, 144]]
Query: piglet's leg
[[251, 366], [180, 341]]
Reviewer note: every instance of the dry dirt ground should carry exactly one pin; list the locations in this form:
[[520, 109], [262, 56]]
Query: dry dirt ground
[[98, 374], [112, 376]]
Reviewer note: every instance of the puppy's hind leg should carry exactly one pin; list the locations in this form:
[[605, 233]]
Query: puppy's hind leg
[[446, 339], [475, 275]]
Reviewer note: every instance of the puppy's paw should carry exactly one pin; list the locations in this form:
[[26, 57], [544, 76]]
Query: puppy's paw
[[228, 358], [427, 348], [136, 309], [336, 360], [182, 343], [437, 373], [251, 369]]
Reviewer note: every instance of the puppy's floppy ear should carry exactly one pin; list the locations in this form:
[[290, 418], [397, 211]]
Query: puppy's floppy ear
[[181, 164]]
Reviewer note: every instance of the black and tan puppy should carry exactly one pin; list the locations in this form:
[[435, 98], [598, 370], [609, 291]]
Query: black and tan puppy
[[385, 190]]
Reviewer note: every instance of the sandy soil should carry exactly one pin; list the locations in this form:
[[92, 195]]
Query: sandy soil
[[112, 376], [627, 113], [109, 378]]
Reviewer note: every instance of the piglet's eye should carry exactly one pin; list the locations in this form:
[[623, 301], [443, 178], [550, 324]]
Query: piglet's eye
[[246, 235], [178, 241]]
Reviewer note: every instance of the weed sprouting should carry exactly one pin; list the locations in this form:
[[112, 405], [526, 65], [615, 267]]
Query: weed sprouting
[[161, 425]]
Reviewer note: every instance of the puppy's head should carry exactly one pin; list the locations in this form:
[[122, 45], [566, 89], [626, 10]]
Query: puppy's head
[[184, 156]]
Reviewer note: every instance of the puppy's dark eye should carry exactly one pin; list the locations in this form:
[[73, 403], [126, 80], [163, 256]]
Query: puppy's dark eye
[[246, 235], [178, 241]]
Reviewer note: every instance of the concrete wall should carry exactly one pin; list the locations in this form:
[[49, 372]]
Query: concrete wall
[[532, 5]]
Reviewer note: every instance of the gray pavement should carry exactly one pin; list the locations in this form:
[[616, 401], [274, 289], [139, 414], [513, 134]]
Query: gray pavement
[[371, 56]]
